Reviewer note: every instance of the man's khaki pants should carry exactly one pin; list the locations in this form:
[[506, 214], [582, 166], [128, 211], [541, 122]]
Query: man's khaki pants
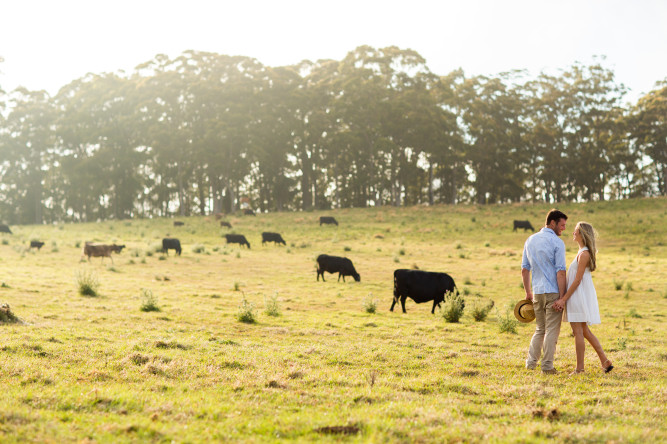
[[547, 331]]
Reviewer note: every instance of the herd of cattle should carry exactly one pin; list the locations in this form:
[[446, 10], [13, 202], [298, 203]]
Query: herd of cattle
[[418, 285]]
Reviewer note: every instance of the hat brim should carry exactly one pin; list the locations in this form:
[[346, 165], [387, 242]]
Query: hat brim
[[529, 314]]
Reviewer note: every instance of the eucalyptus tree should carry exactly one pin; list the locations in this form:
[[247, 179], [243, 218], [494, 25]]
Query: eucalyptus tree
[[648, 128], [491, 110], [100, 153], [376, 100], [27, 153], [597, 143], [224, 94], [314, 123], [164, 112], [272, 173], [549, 114]]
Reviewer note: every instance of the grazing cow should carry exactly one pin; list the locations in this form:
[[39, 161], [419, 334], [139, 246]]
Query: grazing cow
[[225, 224], [101, 250], [328, 220], [36, 244], [5, 229], [272, 237], [178, 223], [171, 243], [248, 212], [237, 239], [336, 264], [523, 224], [421, 286]]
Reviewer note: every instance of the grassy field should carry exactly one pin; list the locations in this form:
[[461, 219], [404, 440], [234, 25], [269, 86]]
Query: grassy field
[[316, 365]]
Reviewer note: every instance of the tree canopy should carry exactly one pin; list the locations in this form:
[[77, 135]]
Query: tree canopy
[[198, 133]]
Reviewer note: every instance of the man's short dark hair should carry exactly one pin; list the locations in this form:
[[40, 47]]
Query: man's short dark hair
[[556, 215]]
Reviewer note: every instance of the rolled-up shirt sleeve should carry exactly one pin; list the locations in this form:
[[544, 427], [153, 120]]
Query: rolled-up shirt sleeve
[[524, 260], [559, 260]]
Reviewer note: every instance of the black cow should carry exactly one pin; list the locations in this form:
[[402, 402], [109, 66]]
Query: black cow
[[248, 212], [171, 243], [336, 264], [421, 286], [328, 220], [523, 224], [237, 239], [272, 237], [178, 223], [36, 244], [225, 224], [5, 229]]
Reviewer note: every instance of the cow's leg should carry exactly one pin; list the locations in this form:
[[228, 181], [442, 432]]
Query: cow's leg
[[393, 303], [403, 298]]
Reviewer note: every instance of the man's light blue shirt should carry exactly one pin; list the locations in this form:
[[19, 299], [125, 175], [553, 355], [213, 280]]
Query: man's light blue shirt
[[544, 256]]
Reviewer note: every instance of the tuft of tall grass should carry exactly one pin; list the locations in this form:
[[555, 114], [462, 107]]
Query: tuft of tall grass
[[88, 283], [271, 306], [452, 308], [370, 304], [480, 311], [246, 312], [618, 284], [7, 316], [148, 301], [506, 322]]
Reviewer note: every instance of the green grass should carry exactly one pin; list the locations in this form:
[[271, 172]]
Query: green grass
[[97, 369]]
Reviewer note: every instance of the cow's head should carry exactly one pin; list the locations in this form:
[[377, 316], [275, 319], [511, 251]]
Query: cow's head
[[117, 248], [356, 277]]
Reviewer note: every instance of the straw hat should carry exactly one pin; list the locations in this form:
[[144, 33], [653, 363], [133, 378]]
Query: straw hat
[[523, 311]]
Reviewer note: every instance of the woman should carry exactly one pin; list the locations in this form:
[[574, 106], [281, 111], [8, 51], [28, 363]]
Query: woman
[[582, 302]]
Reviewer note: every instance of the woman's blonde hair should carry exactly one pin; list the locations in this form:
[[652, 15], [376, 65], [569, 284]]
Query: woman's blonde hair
[[588, 235]]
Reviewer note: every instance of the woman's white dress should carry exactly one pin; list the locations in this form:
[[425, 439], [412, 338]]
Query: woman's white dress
[[583, 304]]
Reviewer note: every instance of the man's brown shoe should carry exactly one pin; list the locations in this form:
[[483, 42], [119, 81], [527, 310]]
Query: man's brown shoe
[[553, 371]]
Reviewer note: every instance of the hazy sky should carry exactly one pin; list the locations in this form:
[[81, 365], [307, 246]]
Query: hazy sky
[[46, 43]]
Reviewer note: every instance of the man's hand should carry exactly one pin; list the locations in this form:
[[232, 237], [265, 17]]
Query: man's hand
[[559, 305]]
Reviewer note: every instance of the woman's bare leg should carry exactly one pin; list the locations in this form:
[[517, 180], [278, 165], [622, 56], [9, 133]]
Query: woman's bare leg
[[579, 343], [590, 337]]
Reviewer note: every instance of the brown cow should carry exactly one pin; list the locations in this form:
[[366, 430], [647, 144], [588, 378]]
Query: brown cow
[[101, 250]]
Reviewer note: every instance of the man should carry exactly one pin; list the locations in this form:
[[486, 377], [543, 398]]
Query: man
[[544, 257]]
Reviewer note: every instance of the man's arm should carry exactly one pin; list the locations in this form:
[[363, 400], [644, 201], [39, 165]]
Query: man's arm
[[525, 277], [562, 282]]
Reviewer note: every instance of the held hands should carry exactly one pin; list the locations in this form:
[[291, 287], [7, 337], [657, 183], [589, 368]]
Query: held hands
[[559, 305]]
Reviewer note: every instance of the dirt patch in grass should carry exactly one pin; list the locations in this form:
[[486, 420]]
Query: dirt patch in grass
[[339, 430]]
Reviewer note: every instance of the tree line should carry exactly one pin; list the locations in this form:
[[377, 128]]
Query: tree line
[[203, 132]]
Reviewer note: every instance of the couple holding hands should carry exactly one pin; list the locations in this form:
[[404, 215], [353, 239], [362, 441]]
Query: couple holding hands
[[556, 295]]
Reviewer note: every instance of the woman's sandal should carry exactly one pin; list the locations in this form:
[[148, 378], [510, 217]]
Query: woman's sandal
[[607, 368], [577, 371]]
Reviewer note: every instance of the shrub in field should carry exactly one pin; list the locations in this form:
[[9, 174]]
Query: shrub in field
[[370, 304], [87, 283], [618, 284], [246, 312], [271, 305], [452, 308], [507, 323], [148, 301], [6, 315], [480, 311]]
